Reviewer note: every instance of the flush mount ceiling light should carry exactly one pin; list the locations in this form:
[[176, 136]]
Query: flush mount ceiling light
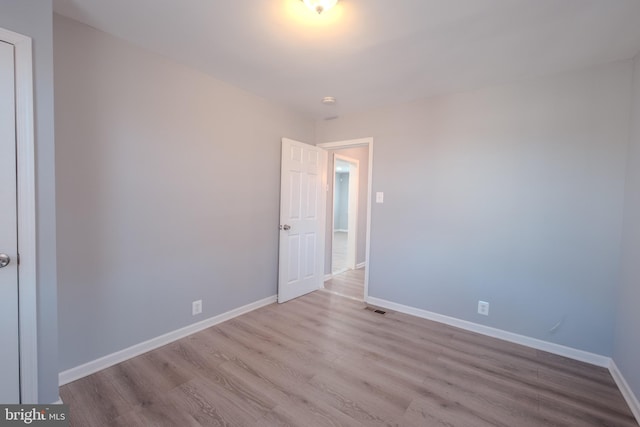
[[320, 6], [328, 100]]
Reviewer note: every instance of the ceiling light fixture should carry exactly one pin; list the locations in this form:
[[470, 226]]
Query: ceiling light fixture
[[328, 100], [320, 6]]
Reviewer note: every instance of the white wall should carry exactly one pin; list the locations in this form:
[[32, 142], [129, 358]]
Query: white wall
[[627, 342], [33, 18], [512, 194], [168, 192]]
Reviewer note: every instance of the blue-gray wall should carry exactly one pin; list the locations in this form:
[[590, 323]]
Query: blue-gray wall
[[627, 343], [512, 194], [33, 18], [341, 201], [168, 192]]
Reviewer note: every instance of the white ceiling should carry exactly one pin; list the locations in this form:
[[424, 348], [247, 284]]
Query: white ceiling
[[370, 53]]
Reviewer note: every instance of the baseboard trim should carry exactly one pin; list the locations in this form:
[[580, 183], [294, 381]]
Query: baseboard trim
[[58, 402], [94, 366], [572, 353], [328, 277], [360, 265], [625, 389]]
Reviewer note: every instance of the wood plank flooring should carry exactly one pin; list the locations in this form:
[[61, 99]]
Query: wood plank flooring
[[323, 360], [349, 284], [339, 251]]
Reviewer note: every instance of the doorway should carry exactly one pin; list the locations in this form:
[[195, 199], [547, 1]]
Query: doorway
[[345, 213], [352, 279]]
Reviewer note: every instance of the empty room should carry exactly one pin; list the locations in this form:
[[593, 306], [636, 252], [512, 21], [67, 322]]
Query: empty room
[[320, 212]]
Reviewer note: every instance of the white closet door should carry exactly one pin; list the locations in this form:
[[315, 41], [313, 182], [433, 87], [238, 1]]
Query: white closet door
[[9, 339]]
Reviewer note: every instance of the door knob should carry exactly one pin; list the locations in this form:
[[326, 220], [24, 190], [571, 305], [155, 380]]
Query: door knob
[[4, 260], [285, 227]]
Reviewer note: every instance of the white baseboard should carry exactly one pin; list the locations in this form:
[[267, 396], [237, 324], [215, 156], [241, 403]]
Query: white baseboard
[[58, 402], [626, 391], [138, 349], [328, 277], [572, 353], [360, 265]]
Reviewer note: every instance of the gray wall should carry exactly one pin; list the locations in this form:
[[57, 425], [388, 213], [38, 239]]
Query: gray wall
[[168, 192], [512, 195], [341, 201], [626, 352], [361, 154], [33, 18]]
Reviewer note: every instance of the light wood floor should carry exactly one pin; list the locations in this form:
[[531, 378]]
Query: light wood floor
[[349, 284], [323, 360], [339, 251]]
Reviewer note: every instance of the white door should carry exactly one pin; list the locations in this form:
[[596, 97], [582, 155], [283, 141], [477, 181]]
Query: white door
[[302, 219], [9, 355]]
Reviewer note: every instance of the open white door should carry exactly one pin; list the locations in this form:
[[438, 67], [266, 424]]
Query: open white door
[[9, 337], [302, 219]]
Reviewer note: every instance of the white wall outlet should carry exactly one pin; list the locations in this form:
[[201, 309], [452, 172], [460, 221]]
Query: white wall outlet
[[196, 307], [483, 308], [379, 197]]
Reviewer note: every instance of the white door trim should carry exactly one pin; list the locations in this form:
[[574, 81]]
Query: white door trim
[[350, 144], [25, 153]]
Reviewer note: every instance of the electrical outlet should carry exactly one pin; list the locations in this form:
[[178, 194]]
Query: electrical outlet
[[483, 308], [196, 307]]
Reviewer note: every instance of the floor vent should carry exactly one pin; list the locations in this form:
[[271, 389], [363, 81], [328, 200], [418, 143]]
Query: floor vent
[[375, 310]]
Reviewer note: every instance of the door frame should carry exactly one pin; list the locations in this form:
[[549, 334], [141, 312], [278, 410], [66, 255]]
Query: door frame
[[352, 143], [26, 195], [352, 215]]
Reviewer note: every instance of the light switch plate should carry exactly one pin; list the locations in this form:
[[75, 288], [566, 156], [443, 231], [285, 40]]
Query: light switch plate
[[379, 197], [483, 308]]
